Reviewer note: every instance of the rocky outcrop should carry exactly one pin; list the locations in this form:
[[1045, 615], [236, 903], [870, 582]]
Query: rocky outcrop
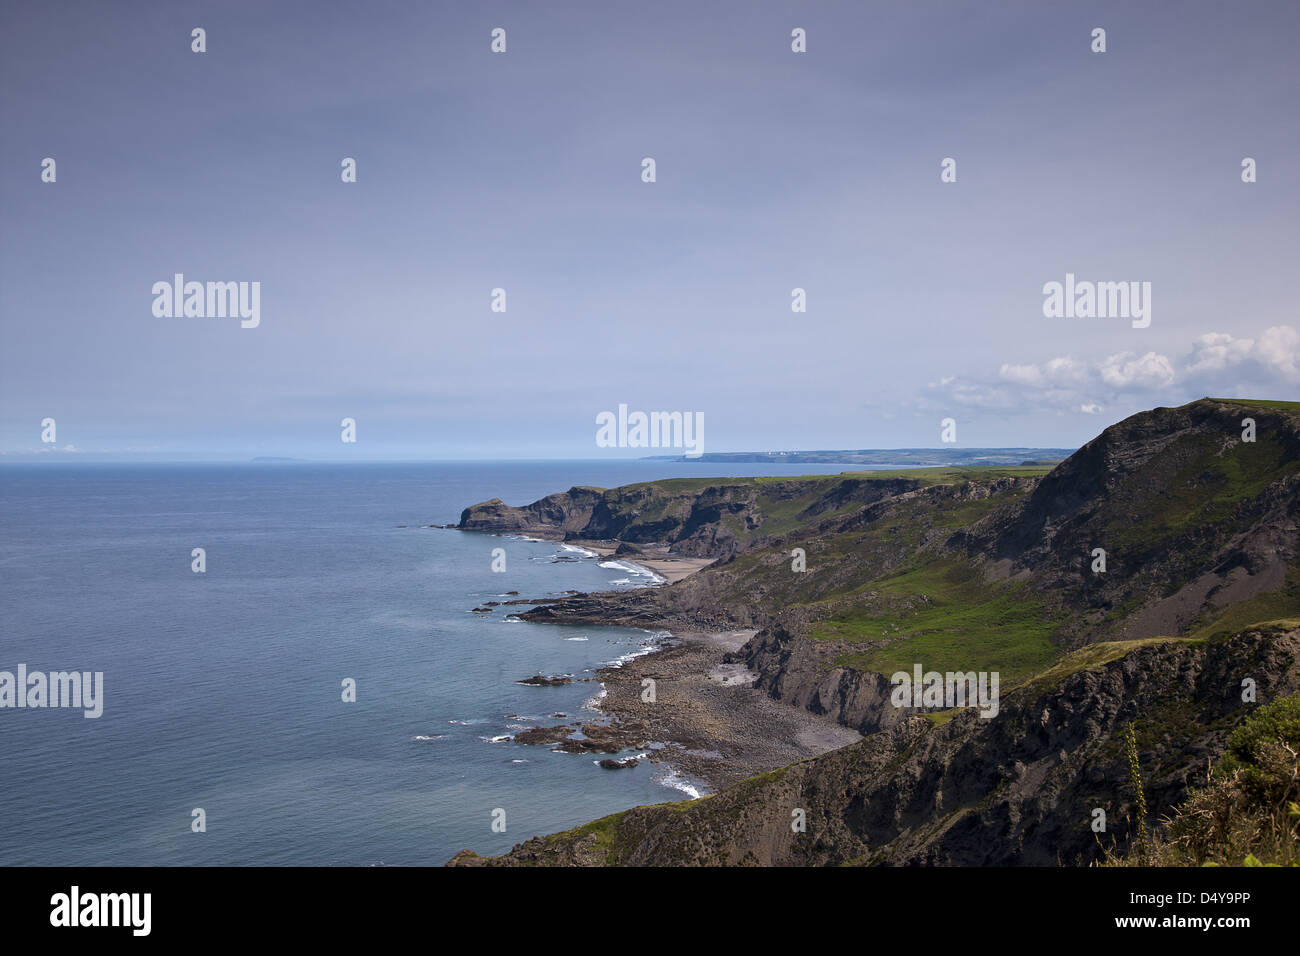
[[626, 763], [799, 671], [544, 680], [536, 736], [588, 738], [557, 514]]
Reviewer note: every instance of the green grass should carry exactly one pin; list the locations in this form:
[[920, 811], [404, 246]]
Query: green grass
[[780, 516], [1262, 403], [848, 565], [784, 516], [929, 475], [602, 832], [951, 475], [939, 718], [948, 618]]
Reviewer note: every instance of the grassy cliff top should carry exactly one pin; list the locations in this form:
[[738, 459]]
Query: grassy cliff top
[[925, 475]]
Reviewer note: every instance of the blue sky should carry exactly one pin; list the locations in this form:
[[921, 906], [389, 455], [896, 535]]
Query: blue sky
[[522, 171]]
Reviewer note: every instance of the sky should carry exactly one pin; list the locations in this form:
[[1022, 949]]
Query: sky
[[522, 170]]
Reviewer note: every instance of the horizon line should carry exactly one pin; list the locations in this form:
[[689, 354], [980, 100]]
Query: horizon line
[[86, 457]]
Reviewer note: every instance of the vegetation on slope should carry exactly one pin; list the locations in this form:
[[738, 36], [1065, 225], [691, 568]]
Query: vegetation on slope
[[1249, 813], [943, 614]]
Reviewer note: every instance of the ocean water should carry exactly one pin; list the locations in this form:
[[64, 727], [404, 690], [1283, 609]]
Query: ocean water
[[222, 690]]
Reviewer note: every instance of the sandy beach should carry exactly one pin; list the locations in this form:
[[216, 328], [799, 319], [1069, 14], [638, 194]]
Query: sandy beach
[[671, 568]]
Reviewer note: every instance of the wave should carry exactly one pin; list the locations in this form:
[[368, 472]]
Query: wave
[[630, 656], [635, 570], [585, 552], [675, 780], [655, 642], [640, 756]]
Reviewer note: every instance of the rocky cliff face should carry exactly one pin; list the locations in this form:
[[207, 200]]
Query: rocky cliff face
[[803, 673], [696, 517], [1018, 789]]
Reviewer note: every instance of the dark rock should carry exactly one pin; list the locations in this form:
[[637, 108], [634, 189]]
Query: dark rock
[[543, 735], [606, 738]]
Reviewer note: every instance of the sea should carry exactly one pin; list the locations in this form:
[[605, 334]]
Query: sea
[[225, 737]]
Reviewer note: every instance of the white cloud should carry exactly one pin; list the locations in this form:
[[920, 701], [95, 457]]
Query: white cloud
[[1217, 364], [1124, 371], [1216, 351], [1279, 348], [1066, 370], [1021, 374], [1057, 372]]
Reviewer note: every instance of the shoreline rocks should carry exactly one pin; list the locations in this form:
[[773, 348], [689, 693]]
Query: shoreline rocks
[[611, 764]]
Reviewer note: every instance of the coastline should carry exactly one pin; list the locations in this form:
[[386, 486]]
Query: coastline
[[706, 721]]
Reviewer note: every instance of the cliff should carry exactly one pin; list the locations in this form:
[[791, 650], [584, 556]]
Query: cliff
[[980, 570], [1020, 789]]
